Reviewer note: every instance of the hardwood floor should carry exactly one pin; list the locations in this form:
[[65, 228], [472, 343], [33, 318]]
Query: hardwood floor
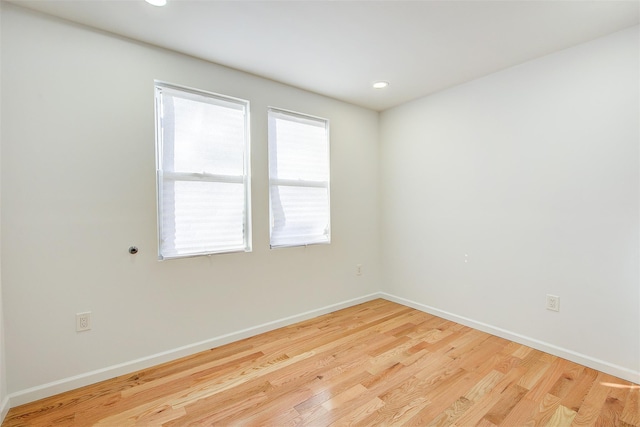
[[377, 363]]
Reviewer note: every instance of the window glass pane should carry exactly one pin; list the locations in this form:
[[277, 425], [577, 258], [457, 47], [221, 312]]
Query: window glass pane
[[206, 137], [300, 150], [303, 216], [208, 217]]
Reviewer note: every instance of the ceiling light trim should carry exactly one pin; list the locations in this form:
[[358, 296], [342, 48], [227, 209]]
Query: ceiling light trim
[[158, 3]]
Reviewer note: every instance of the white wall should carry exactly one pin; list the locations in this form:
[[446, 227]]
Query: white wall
[[78, 188], [4, 401], [534, 173]]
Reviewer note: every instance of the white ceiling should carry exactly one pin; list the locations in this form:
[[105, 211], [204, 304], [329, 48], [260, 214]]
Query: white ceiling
[[339, 48]]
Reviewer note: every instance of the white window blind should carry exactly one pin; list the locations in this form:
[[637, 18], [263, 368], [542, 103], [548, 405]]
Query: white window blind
[[202, 151], [298, 179]]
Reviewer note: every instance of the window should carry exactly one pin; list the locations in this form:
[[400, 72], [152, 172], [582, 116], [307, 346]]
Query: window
[[298, 179], [202, 159]]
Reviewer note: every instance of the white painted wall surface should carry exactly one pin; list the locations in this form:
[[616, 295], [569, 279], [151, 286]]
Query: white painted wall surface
[[4, 401], [533, 172], [78, 188]]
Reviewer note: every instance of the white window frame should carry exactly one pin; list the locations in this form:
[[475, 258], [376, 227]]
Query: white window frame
[[162, 175], [275, 181]]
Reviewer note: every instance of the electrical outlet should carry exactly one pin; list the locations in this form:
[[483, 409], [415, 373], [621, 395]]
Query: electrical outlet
[[358, 269], [553, 302], [83, 321]]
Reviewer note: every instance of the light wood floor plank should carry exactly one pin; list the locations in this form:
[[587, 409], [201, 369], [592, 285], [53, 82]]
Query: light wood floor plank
[[377, 363]]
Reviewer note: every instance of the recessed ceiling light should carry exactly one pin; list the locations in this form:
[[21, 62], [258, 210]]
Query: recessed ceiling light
[[157, 2], [380, 85]]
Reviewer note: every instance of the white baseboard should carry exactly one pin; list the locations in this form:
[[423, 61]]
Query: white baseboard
[[46, 390], [4, 409], [600, 365]]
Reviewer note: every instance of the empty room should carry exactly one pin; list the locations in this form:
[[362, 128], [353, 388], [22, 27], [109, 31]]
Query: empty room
[[318, 213]]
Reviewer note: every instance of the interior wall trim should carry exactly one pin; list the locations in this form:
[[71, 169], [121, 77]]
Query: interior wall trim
[[4, 408]]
